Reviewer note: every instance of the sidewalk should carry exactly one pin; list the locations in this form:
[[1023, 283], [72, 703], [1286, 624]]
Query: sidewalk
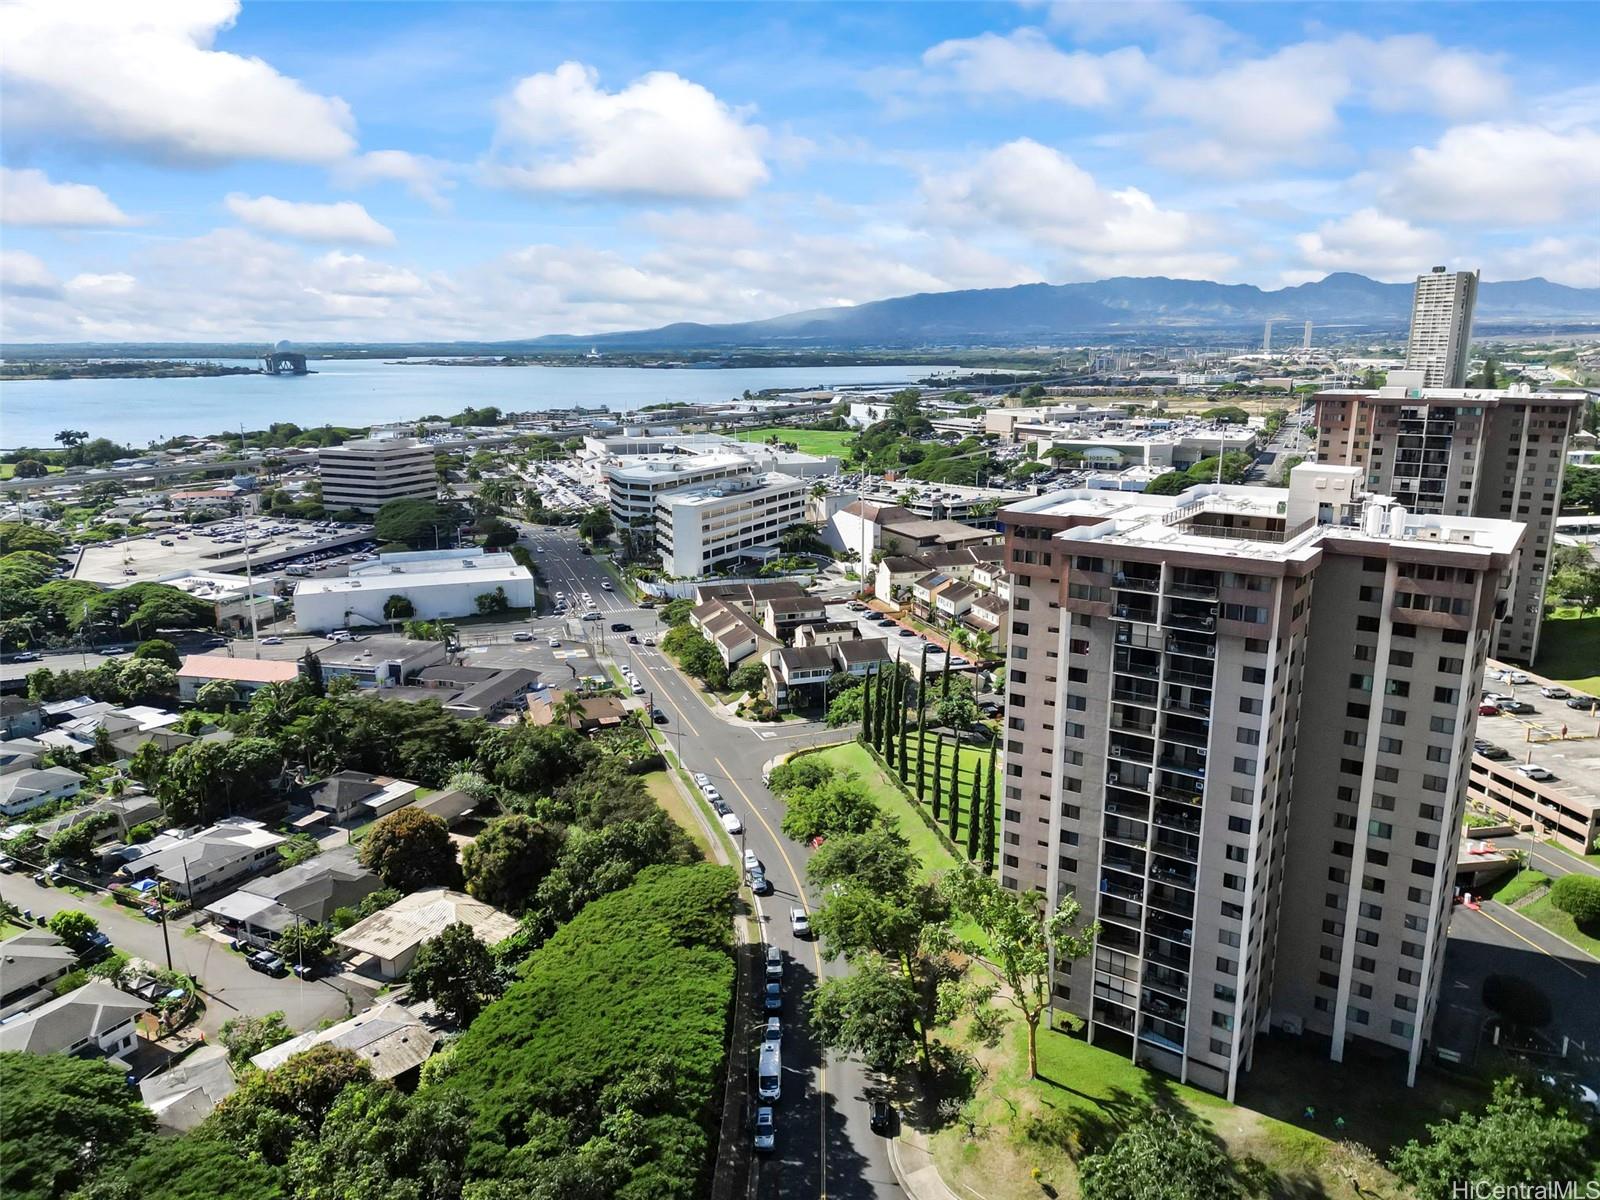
[[914, 1169]]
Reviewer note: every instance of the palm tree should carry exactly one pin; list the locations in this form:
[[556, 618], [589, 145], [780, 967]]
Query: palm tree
[[569, 709]]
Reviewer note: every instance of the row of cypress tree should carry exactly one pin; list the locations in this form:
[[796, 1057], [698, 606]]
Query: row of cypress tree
[[887, 727]]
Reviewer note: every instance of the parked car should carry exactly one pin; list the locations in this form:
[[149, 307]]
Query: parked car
[[720, 807], [731, 822], [766, 1139], [1494, 753], [752, 861], [774, 963], [772, 997], [1533, 771], [659, 717], [1488, 710], [774, 1030], [701, 779], [267, 963], [1512, 677], [1554, 693], [1516, 706], [151, 912], [1584, 703], [799, 923], [760, 884], [711, 793]]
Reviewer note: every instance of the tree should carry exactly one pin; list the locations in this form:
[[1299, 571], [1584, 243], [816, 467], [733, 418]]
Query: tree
[[246, 1036], [1515, 1142], [878, 859], [416, 523], [870, 1013], [411, 850], [203, 780], [938, 776], [456, 971], [975, 813], [488, 603], [1160, 1158], [1169, 484], [29, 468], [506, 863], [378, 1142], [218, 695], [596, 525], [1578, 896], [751, 677], [311, 669], [867, 700], [1577, 585], [65, 1119], [305, 942], [397, 608], [955, 792], [196, 1167], [159, 651], [272, 1110], [1020, 934], [847, 707], [840, 805], [990, 825], [76, 929], [958, 713]]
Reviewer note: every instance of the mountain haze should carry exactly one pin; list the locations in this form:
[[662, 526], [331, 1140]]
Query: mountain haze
[[1040, 312]]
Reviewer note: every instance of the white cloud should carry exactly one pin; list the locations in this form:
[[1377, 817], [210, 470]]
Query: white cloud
[[28, 197], [1026, 63], [1030, 189], [422, 176], [1501, 174], [662, 135], [24, 274], [1371, 243], [117, 283], [1574, 261], [144, 77], [1175, 28], [355, 275], [343, 222]]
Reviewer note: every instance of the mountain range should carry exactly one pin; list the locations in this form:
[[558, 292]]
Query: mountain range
[[1041, 312]]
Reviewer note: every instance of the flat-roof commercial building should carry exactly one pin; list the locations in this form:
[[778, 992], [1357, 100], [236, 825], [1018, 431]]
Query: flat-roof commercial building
[[1238, 730], [1465, 452], [367, 473], [699, 527], [437, 583]]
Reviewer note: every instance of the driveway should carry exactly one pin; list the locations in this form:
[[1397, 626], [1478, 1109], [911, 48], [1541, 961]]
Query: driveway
[[229, 986]]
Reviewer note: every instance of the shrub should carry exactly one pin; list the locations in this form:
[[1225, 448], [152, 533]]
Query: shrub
[[1578, 896]]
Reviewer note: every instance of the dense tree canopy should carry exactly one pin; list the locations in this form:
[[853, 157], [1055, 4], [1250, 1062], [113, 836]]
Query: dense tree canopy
[[64, 1119], [410, 850], [508, 860], [456, 971], [1157, 1158]]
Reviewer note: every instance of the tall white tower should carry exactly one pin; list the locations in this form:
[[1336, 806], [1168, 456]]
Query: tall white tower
[[1266, 339], [1441, 326], [1305, 342]]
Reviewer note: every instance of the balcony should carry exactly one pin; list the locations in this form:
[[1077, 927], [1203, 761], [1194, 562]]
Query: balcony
[[1173, 900], [1130, 751], [1163, 1007], [1130, 832], [1126, 804], [1141, 666], [1182, 818], [1177, 702], [1168, 929], [1162, 1033], [1128, 694], [1138, 581], [1122, 911], [1118, 938], [1172, 955], [1185, 733], [1120, 858], [1180, 795], [1168, 871], [1141, 723], [1128, 775], [1170, 982], [1186, 614], [1181, 846], [1110, 886], [1192, 587], [1191, 647], [1188, 678], [1145, 613], [1187, 764], [1105, 1013]]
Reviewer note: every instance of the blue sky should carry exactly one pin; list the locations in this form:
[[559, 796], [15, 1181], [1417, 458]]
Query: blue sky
[[178, 169]]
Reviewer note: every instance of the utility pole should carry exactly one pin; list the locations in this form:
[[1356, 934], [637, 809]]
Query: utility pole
[[166, 942]]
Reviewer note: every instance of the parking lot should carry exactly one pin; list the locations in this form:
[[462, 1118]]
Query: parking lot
[[1550, 738], [220, 546]]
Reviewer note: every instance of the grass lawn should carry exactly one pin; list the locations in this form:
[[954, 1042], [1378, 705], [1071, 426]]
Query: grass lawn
[[660, 787], [930, 851], [1569, 649], [10, 929], [1558, 922], [826, 442], [7, 470], [1520, 885]]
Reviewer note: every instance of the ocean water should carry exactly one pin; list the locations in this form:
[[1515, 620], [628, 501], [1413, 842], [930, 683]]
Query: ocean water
[[136, 412]]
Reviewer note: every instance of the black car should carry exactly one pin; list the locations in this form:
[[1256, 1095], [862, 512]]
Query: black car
[[882, 1115], [659, 717], [584, 550], [621, 627], [267, 963], [633, 639]]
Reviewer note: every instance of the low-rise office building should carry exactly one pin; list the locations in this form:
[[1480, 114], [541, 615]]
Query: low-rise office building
[[247, 675], [367, 473], [701, 527], [436, 584]]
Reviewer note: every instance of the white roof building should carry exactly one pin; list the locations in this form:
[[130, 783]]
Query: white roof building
[[393, 935], [439, 584]]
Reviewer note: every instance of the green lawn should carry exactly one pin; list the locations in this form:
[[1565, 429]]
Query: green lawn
[[1520, 885], [673, 804], [930, 851], [7, 470], [1569, 649], [826, 442], [1562, 924]]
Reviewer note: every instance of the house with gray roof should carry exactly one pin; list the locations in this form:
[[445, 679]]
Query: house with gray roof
[[27, 789], [266, 906], [96, 1019], [184, 1095], [29, 963], [388, 1038]]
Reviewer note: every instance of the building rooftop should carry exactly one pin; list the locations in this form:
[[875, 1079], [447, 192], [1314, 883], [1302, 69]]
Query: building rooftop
[[365, 650], [388, 1038], [464, 572], [186, 1094], [1537, 738], [243, 670], [414, 919], [701, 495], [89, 1012]]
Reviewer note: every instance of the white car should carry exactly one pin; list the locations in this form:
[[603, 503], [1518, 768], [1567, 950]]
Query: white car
[[799, 923], [522, 635], [1531, 771], [711, 793], [638, 689], [1513, 677], [730, 822], [555, 643], [272, 641], [701, 779], [605, 587], [752, 861]]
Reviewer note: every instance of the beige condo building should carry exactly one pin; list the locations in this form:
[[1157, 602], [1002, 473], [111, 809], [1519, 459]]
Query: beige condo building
[[1238, 729]]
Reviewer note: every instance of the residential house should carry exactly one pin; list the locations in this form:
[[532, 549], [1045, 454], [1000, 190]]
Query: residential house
[[914, 535], [797, 676], [451, 806], [17, 754], [391, 937], [389, 1039], [748, 597], [266, 906], [27, 789], [186, 1093], [855, 529], [954, 602], [825, 633], [20, 717], [926, 590], [358, 797], [894, 576], [206, 862], [780, 616], [734, 634], [380, 661], [599, 712], [29, 963], [988, 613], [96, 1019], [135, 807], [248, 675]]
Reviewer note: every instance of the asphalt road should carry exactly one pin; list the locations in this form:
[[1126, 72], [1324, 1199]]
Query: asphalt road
[[825, 1146], [230, 987]]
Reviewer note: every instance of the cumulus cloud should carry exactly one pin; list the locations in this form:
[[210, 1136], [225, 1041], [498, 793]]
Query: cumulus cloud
[[145, 77], [422, 177], [1026, 63], [1027, 188], [28, 197], [24, 274], [116, 283], [1372, 243], [343, 222], [1503, 174], [661, 136], [1175, 28], [1574, 260]]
